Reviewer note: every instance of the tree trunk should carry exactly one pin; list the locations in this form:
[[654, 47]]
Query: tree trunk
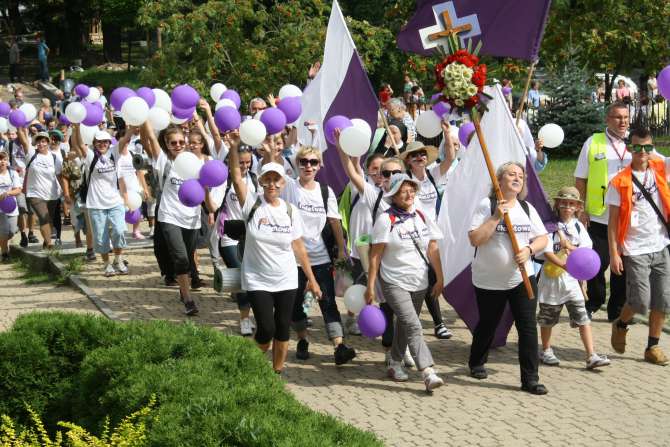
[[73, 32], [15, 22], [111, 42], [609, 85]]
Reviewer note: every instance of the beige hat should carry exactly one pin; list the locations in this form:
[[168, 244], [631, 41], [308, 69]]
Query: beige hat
[[568, 193], [39, 135], [415, 146]]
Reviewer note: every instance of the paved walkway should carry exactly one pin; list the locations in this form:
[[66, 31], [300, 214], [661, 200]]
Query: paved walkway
[[626, 404]]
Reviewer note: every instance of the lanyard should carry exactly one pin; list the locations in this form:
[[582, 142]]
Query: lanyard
[[611, 140]]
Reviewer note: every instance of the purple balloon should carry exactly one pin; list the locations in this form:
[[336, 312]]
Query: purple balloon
[[292, 108], [4, 109], [133, 217], [180, 113], [465, 132], [583, 263], [213, 173], [63, 119], [147, 95], [335, 122], [233, 96], [17, 118], [82, 90], [119, 96], [441, 108], [507, 90], [435, 97], [191, 193], [114, 141], [663, 82], [274, 120], [227, 118], [185, 97], [371, 321], [8, 204], [94, 114]]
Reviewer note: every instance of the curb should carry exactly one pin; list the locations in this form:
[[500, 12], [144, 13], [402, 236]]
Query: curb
[[645, 321]]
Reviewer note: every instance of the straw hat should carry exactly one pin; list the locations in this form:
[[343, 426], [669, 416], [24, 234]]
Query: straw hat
[[415, 146], [568, 193]]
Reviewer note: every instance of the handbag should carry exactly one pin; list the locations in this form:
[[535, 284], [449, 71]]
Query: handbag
[[432, 276]]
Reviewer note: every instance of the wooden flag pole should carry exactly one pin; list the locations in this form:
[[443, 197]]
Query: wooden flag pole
[[519, 112], [388, 130], [496, 187]]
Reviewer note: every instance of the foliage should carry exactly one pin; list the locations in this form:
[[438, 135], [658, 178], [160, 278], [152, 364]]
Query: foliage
[[130, 432], [571, 107], [211, 389], [108, 79]]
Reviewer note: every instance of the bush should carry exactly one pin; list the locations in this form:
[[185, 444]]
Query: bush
[[108, 79], [211, 389]]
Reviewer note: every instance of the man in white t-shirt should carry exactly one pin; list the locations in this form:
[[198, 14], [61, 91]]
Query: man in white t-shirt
[[639, 204]]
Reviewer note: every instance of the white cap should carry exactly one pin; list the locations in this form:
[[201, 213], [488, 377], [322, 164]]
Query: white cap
[[272, 167], [396, 182], [102, 136]]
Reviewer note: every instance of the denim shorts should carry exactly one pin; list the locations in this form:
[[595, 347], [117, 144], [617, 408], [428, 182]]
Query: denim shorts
[[108, 225]]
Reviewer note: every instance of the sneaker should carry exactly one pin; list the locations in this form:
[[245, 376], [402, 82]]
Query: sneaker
[[24, 240], [90, 255], [109, 270], [137, 235], [344, 354], [442, 332], [407, 360], [151, 232], [596, 361], [197, 284], [549, 358], [478, 372], [246, 328], [120, 268], [5, 258], [352, 326], [302, 351], [396, 372], [431, 380], [58, 242], [656, 356], [191, 308], [618, 339], [32, 238]]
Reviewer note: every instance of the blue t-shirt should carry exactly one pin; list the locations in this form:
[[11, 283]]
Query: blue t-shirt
[[42, 51]]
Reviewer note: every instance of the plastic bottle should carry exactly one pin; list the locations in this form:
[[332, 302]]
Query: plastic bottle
[[307, 302]]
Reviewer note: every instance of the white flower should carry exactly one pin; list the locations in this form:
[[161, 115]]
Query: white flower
[[459, 102], [472, 90]]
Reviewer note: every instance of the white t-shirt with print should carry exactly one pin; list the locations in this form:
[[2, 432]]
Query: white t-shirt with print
[[646, 233], [493, 267], [171, 210], [428, 194], [10, 180], [310, 204], [233, 208], [42, 182], [269, 263], [103, 191], [401, 263], [127, 172]]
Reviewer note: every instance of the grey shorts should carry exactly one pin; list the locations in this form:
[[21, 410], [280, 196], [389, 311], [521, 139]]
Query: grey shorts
[[21, 203], [8, 226], [549, 314], [648, 281]]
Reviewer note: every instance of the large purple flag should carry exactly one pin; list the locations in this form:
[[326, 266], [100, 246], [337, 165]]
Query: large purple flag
[[506, 28], [341, 87]]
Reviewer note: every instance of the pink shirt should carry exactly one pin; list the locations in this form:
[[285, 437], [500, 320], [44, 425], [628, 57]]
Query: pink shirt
[[622, 92]]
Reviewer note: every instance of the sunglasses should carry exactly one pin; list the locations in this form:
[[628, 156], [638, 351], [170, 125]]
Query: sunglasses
[[277, 184], [637, 148], [388, 174], [313, 162], [177, 143], [418, 154]]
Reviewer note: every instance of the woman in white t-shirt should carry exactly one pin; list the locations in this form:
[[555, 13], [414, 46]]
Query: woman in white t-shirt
[[321, 217], [273, 243], [496, 275], [10, 186], [403, 252]]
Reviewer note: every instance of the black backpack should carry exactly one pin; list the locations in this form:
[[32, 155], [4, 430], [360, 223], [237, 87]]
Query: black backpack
[[327, 231]]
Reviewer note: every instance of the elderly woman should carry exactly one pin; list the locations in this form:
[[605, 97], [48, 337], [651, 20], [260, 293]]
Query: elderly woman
[[403, 256], [398, 113], [273, 244], [496, 275]]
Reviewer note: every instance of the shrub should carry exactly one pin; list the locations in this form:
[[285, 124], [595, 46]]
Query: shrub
[[211, 389]]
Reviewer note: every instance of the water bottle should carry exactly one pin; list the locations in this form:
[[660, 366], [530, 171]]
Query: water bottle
[[307, 302]]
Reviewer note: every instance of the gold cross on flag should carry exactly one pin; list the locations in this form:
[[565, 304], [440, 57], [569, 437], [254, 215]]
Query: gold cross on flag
[[449, 29]]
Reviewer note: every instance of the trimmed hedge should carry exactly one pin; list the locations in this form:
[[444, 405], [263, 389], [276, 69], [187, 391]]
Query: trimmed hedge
[[212, 389]]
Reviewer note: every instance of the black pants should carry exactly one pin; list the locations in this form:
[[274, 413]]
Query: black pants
[[57, 220], [272, 311], [491, 305], [596, 287], [14, 72], [161, 251], [180, 244]]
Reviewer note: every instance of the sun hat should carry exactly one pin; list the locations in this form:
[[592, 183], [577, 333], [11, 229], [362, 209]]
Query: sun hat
[[272, 167], [57, 133], [396, 182], [39, 135], [415, 146], [568, 193]]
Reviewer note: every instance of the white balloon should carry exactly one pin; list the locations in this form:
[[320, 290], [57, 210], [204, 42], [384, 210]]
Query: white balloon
[[163, 100], [175, 120], [158, 118], [354, 298], [187, 165], [216, 91], [225, 102], [428, 124], [29, 110], [258, 114], [252, 132], [4, 125], [75, 112], [552, 135], [362, 125], [93, 95], [134, 200], [87, 133], [10, 127], [355, 142], [135, 111], [288, 91]]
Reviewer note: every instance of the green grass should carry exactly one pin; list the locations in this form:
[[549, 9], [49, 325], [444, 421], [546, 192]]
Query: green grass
[[29, 275], [109, 80]]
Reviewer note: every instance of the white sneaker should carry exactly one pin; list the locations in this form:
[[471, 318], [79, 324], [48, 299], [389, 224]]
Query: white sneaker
[[431, 380], [109, 270], [596, 361], [549, 358], [246, 328], [407, 360], [151, 231], [396, 372], [352, 326], [120, 268], [387, 358]]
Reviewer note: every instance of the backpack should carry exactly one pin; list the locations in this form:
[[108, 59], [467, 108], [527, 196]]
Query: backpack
[[25, 176], [86, 179], [327, 231], [229, 184], [437, 191]]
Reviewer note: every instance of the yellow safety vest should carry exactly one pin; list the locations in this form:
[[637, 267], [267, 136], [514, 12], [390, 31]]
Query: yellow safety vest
[[596, 184]]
